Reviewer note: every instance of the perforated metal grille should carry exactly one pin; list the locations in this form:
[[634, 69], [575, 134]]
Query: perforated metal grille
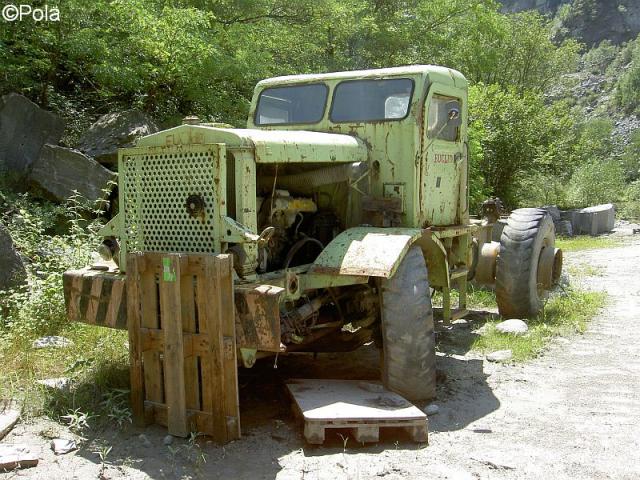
[[156, 188]]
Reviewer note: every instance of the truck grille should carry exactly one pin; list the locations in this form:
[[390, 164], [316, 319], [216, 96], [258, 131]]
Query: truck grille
[[155, 183]]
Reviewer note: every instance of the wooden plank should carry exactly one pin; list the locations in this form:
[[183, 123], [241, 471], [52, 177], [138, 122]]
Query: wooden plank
[[171, 313], [135, 355], [209, 308], [189, 326], [117, 290], [153, 382], [224, 277]]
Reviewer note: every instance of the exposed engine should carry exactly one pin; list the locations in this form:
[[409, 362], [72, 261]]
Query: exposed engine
[[301, 231]]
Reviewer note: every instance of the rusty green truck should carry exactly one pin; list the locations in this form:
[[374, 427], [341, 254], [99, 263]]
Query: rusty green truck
[[344, 202]]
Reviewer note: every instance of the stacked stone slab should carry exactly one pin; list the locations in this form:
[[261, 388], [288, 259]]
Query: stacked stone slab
[[591, 220], [597, 219]]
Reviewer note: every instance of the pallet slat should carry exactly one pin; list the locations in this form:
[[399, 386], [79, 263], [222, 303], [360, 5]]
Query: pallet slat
[[171, 320]]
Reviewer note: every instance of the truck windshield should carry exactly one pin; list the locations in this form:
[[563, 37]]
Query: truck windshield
[[291, 104], [371, 100]]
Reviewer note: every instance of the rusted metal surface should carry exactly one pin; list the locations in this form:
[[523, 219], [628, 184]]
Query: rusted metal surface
[[95, 297], [368, 251], [486, 268], [545, 267], [258, 317]]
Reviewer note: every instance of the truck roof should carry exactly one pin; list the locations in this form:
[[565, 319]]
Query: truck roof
[[441, 74]]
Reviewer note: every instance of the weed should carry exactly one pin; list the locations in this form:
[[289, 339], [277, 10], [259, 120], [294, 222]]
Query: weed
[[78, 421], [103, 452], [565, 313]]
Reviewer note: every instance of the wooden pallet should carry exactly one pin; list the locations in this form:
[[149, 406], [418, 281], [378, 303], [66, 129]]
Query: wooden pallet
[[361, 407], [181, 322]]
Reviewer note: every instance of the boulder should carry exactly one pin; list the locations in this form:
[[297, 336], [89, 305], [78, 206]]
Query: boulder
[[113, 131], [513, 326], [59, 171], [12, 271], [24, 129]]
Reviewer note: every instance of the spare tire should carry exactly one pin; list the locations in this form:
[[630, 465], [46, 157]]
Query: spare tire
[[408, 338], [519, 292]]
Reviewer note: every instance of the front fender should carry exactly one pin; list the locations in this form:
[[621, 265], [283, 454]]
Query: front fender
[[370, 251]]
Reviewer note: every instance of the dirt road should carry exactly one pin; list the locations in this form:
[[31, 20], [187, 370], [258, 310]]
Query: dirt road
[[573, 413]]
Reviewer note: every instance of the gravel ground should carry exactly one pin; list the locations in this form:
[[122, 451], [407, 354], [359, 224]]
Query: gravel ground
[[573, 413]]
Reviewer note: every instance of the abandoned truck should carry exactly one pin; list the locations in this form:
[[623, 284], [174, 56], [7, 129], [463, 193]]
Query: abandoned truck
[[344, 204]]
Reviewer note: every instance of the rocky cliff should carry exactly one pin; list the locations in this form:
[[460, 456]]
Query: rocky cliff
[[590, 21]]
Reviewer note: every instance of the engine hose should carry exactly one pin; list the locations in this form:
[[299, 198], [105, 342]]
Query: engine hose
[[297, 246]]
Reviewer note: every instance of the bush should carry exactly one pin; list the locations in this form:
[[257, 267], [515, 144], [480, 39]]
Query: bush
[[596, 182], [628, 86], [38, 308], [599, 58], [630, 207]]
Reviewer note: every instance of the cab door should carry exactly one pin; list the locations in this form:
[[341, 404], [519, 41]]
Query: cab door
[[444, 166]]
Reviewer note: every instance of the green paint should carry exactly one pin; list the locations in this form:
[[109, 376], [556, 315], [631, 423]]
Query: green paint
[[168, 273]]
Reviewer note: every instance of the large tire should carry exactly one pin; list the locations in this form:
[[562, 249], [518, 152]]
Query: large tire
[[408, 339], [527, 233]]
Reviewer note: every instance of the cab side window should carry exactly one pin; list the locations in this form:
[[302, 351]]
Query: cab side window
[[438, 124]]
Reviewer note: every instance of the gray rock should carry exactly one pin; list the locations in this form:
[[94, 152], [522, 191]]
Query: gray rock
[[144, 440], [167, 440], [12, 271], [513, 326], [500, 356], [60, 446], [24, 129], [58, 383], [53, 341], [431, 409], [113, 131], [59, 171]]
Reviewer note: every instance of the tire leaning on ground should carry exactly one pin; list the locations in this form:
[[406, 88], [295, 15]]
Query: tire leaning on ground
[[408, 339], [519, 292]]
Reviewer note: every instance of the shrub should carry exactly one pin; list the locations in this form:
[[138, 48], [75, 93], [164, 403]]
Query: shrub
[[596, 182], [38, 308]]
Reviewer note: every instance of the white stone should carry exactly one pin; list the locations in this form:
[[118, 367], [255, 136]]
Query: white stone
[[500, 356], [60, 446], [58, 383], [431, 409], [513, 327], [52, 342], [168, 440]]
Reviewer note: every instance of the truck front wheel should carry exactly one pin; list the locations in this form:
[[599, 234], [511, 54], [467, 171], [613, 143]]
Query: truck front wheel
[[408, 339]]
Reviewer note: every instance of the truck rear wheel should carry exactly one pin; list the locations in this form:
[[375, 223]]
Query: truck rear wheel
[[528, 237], [408, 339]]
